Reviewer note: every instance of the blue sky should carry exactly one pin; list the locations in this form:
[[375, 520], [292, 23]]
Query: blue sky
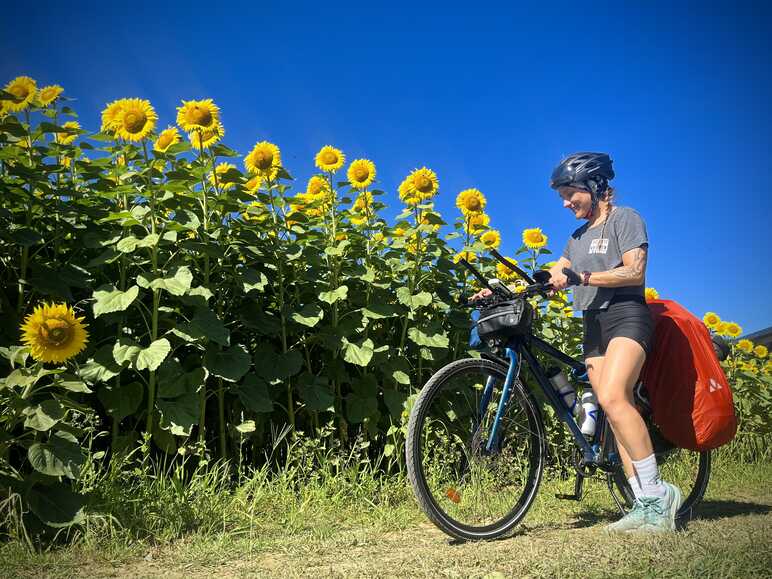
[[489, 95]]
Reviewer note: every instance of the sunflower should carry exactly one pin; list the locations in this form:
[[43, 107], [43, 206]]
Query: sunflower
[[363, 202], [136, 120], [358, 220], [504, 273], [23, 89], [470, 201], [426, 219], [110, 116], [534, 238], [53, 333], [745, 346], [361, 173], [67, 138], [398, 231], [317, 186], [253, 184], [255, 212], [423, 183], [491, 239], [733, 329], [168, 137], [720, 329], [467, 255], [413, 245], [378, 237], [264, 160], [219, 171], [760, 351], [203, 139], [330, 159], [407, 195], [711, 320], [476, 222], [201, 115], [48, 94], [651, 294]]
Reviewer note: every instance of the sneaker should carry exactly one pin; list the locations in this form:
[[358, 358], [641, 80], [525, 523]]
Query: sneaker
[[650, 514]]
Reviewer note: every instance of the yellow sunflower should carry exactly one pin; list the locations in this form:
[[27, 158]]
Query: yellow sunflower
[[168, 137], [264, 160], [398, 231], [407, 195], [476, 222], [423, 183], [201, 115], [23, 89], [363, 202], [378, 237], [255, 211], [534, 238], [49, 94], [67, 138], [491, 239], [711, 320], [745, 346], [760, 351], [428, 221], [330, 159], [317, 186], [651, 294], [53, 333], [136, 120], [203, 139], [467, 255], [733, 329], [361, 173], [358, 220], [470, 201], [720, 329], [220, 170], [110, 116], [253, 184], [504, 273]]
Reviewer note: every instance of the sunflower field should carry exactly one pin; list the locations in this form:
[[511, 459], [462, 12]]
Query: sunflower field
[[159, 289]]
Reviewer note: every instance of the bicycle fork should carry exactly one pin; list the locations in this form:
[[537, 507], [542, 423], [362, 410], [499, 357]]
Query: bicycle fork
[[506, 392]]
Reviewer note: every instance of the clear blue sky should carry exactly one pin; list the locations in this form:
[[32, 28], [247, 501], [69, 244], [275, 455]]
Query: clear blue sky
[[489, 95]]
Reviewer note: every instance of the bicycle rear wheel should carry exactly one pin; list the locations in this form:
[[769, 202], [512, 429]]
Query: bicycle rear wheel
[[468, 485]]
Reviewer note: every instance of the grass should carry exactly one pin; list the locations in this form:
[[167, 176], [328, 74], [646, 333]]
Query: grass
[[350, 523]]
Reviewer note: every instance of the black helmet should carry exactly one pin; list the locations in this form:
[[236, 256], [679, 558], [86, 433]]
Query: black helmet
[[588, 171]]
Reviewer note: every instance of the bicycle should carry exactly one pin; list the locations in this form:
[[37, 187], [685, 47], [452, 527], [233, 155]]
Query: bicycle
[[476, 443]]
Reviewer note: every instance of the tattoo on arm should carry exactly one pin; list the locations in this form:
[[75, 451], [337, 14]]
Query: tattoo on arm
[[636, 269]]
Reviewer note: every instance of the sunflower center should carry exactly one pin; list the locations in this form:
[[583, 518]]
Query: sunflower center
[[199, 116], [473, 204], [423, 183], [329, 158], [19, 91], [48, 93], [263, 160], [164, 141], [134, 121], [361, 173], [55, 332]]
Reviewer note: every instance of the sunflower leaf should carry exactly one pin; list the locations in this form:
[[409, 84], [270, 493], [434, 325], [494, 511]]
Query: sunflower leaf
[[108, 299], [335, 295], [152, 356]]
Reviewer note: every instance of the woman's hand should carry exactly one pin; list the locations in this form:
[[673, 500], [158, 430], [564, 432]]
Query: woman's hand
[[483, 293], [558, 280]]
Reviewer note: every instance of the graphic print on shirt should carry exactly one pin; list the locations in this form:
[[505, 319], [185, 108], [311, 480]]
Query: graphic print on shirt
[[598, 245]]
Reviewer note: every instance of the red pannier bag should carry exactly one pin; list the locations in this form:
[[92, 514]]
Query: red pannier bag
[[688, 391]]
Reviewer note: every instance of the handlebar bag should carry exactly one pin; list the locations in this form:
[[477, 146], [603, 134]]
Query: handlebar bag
[[688, 391], [504, 319]]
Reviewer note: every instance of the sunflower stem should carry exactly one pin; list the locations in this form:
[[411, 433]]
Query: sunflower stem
[[156, 298]]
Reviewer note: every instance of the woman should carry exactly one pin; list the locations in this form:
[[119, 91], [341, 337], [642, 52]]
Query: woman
[[610, 251]]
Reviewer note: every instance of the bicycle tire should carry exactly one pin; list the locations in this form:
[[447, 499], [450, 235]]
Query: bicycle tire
[[415, 453]]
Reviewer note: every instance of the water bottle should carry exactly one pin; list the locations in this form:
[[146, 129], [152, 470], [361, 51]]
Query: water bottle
[[588, 413], [562, 386]]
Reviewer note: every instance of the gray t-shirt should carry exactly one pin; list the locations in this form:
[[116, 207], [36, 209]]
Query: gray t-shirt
[[600, 248]]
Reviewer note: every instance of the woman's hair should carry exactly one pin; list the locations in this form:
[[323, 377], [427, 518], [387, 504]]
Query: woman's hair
[[608, 196]]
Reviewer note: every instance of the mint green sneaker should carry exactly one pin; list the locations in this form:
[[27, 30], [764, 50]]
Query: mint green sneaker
[[650, 514]]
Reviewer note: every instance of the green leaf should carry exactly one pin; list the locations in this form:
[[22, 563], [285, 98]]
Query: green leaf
[[45, 416], [121, 401], [335, 295], [101, 367], [309, 315], [253, 280], [56, 505], [230, 364], [315, 391], [127, 244], [394, 400], [180, 414], [150, 240], [125, 351], [176, 285], [72, 384], [246, 427], [358, 354], [379, 311], [152, 356], [60, 456], [422, 338], [204, 325], [413, 301], [21, 377], [253, 393], [359, 407], [338, 249], [400, 377], [273, 366], [108, 299]]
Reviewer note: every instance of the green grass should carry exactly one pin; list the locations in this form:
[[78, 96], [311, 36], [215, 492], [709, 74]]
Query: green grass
[[353, 524]]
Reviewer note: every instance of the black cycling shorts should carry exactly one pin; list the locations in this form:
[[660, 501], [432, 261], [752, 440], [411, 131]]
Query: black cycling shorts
[[627, 316]]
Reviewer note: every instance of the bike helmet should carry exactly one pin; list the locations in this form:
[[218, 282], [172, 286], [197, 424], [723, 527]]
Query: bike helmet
[[588, 171]]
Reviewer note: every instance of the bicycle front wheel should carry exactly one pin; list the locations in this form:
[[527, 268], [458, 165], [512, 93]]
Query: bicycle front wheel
[[471, 483]]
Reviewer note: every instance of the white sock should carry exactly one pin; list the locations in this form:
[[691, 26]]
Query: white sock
[[648, 477], [637, 491]]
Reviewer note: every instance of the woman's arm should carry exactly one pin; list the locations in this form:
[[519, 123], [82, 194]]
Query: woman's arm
[[632, 272]]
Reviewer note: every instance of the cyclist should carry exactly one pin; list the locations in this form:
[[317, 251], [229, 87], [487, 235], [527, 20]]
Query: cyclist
[[610, 250]]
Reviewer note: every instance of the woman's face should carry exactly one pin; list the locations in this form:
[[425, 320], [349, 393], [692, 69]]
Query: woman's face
[[578, 201]]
